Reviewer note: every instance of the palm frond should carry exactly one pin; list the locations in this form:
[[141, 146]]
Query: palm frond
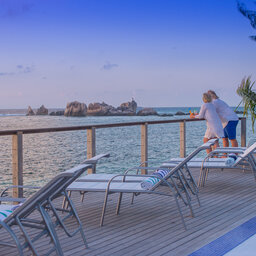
[[248, 96]]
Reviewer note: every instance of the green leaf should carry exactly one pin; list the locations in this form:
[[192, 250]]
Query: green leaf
[[248, 96]]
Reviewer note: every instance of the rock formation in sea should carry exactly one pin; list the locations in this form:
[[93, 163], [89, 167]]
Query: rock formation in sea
[[128, 108], [57, 113], [30, 112], [180, 113], [147, 112], [169, 114], [100, 109], [103, 109], [75, 108], [42, 111]]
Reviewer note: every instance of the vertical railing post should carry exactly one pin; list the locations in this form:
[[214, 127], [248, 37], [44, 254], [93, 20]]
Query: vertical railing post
[[243, 132], [183, 139], [91, 146], [144, 146], [17, 163]]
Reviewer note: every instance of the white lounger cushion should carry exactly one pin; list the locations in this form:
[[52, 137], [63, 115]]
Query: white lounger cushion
[[196, 159], [211, 164], [128, 187], [102, 177]]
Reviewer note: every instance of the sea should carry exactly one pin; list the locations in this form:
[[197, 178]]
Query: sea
[[46, 154]]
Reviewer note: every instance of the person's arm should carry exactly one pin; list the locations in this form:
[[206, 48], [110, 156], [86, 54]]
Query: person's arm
[[202, 112]]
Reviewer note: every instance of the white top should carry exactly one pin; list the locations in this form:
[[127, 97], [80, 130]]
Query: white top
[[225, 112], [213, 122]]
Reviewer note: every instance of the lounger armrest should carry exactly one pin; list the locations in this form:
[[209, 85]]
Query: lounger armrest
[[12, 199], [139, 175], [231, 150], [95, 159], [17, 186]]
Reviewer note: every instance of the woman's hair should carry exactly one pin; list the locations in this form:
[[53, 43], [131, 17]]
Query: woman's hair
[[213, 94], [207, 98]]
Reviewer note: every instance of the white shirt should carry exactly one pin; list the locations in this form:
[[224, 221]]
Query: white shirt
[[213, 122], [225, 112]]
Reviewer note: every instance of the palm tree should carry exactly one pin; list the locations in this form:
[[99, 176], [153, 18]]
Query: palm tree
[[249, 14], [248, 98]]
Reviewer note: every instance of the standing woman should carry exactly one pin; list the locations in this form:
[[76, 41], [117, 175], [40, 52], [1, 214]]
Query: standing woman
[[213, 122]]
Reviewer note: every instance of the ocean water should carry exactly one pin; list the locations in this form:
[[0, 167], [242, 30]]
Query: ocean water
[[47, 154]]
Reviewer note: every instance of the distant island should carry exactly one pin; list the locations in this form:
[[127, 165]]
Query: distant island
[[76, 108]]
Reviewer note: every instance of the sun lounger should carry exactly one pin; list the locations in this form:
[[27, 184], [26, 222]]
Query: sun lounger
[[180, 184], [42, 202], [104, 177], [217, 154], [246, 158]]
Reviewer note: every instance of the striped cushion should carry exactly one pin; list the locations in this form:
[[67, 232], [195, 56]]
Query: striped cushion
[[6, 210], [149, 183], [161, 173], [4, 214]]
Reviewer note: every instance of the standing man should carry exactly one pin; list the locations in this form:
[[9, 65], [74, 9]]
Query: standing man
[[228, 118]]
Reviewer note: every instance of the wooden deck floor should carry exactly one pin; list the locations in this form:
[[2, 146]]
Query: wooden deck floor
[[152, 226]]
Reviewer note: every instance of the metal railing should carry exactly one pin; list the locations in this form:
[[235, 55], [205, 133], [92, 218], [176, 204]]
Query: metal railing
[[17, 142]]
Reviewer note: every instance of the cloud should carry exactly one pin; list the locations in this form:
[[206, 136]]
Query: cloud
[[20, 69], [28, 69], [6, 73], [25, 69], [109, 66], [15, 8]]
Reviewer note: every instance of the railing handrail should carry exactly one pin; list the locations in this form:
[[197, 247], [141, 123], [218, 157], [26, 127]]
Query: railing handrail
[[96, 126]]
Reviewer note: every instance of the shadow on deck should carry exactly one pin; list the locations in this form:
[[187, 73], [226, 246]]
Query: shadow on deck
[[152, 225]]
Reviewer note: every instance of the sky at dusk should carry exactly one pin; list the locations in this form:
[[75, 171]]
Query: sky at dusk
[[160, 52]]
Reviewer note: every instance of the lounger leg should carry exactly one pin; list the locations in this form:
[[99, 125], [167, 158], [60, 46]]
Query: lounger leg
[[65, 203], [133, 195], [198, 200], [190, 206], [200, 178], [252, 163], [28, 240], [205, 176], [119, 203], [82, 197], [181, 215], [104, 209], [73, 209], [193, 187], [14, 237], [53, 234]]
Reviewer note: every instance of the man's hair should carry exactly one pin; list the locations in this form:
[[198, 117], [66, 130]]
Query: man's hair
[[213, 94], [207, 98]]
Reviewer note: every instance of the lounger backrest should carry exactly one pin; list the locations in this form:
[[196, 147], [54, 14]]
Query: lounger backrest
[[247, 152], [206, 145], [55, 186], [95, 159]]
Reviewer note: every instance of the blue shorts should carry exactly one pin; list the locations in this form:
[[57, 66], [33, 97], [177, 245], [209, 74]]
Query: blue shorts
[[230, 130]]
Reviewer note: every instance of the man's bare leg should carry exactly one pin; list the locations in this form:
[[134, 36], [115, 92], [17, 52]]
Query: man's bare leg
[[234, 143], [225, 142]]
